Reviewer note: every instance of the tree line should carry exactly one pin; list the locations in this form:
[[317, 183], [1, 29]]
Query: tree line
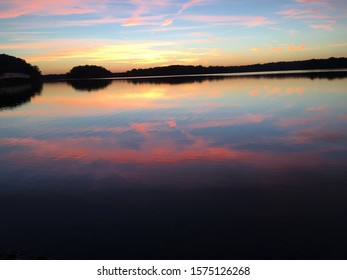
[[18, 65]]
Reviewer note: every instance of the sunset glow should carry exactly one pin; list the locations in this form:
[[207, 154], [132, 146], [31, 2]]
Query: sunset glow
[[121, 35]]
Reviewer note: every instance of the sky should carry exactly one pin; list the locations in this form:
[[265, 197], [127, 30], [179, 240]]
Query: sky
[[125, 34]]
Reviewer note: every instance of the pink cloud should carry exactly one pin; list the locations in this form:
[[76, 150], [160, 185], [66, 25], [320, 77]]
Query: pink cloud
[[140, 15], [315, 2], [303, 14], [322, 26], [15, 8], [135, 18]]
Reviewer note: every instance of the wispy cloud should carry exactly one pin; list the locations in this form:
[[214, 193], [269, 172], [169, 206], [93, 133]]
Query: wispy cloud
[[315, 2], [303, 14], [338, 45], [327, 26], [248, 21], [16, 8], [187, 5], [148, 13]]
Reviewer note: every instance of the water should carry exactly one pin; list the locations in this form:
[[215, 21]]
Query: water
[[199, 167]]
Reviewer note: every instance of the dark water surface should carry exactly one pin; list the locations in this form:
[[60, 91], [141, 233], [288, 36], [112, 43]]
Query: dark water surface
[[202, 168]]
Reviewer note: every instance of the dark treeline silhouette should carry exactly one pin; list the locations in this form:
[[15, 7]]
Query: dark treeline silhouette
[[11, 64], [18, 91], [88, 71], [331, 63], [93, 71]]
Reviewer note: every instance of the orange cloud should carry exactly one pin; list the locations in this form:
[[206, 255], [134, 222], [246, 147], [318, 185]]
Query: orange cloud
[[295, 48], [275, 49], [167, 22]]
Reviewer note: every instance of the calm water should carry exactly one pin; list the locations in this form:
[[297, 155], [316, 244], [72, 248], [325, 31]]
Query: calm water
[[203, 168]]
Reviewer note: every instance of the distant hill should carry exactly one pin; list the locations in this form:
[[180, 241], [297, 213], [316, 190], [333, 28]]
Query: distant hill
[[330, 63]]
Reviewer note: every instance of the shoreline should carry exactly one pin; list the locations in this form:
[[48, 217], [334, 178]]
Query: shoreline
[[222, 74]]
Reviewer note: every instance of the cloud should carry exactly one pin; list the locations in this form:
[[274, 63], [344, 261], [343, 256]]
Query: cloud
[[16, 8], [315, 2], [295, 48], [149, 13], [135, 18], [317, 135], [275, 49], [338, 45], [167, 22], [255, 50], [303, 14], [301, 121], [187, 5], [248, 21], [322, 26]]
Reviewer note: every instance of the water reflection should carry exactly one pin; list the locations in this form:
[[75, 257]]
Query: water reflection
[[89, 85], [12, 96], [176, 166]]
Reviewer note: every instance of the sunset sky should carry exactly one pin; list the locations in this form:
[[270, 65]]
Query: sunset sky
[[125, 34]]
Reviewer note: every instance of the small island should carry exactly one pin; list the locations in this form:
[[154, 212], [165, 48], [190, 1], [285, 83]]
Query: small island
[[88, 72]]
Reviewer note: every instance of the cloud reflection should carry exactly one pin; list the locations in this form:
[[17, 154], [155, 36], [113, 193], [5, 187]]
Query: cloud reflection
[[187, 131]]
